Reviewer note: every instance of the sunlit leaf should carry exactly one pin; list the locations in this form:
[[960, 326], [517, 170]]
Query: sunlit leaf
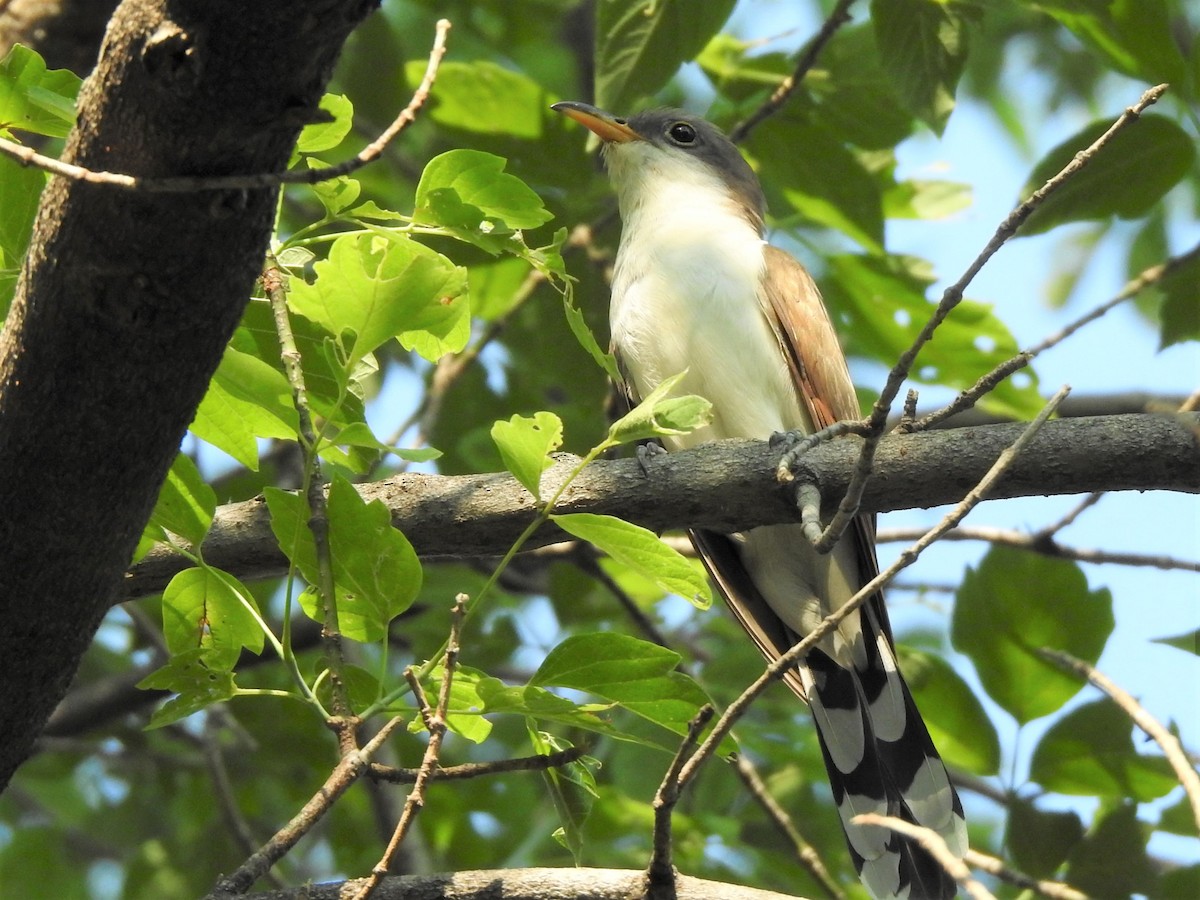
[[202, 610], [525, 444], [1016, 603], [923, 47]]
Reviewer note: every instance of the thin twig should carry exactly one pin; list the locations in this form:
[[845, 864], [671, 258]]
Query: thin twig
[[807, 856], [26, 156], [876, 422], [348, 770], [1170, 745], [781, 666], [435, 722], [993, 866], [988, 382], [661, 871], [838, 17], [537, 763], [1035, 544], [343, 723], [1047, 532], [935, 845]]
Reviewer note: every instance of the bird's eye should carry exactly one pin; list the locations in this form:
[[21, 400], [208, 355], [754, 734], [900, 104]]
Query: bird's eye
[[682, 133]]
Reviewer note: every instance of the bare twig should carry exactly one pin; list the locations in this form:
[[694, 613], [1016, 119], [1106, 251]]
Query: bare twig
[[661, 871], [993, 866], [538, 763], [988, 382], [435, 721], [1170, 745], [873, 427], [343, 722], [349, 768], [26, 156], [935, 845], [1036, 544], [781, 666], [838, 17], [804, 851]]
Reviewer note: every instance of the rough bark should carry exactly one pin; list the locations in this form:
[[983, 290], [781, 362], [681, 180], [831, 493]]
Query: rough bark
[[66, 33], [126, 301], [731, 486]]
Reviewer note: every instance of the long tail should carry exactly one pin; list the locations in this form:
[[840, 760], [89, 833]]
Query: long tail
[[880, 759]]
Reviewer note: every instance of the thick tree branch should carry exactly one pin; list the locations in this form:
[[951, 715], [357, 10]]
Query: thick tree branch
[[731, 486], [126, 302], [528, 884]]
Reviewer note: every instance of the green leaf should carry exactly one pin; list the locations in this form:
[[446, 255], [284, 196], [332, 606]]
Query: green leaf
[[321, 136], [525, 445], [197, 684], [1111, 860], [918, 199], [1090, 752], [826, 183], [201, 610], [881, 304], [572, 790], [1180, 311], [1181, 882], [660, 416], [957, 722], [1133, 36], [923, 46], [1014, 604], [359, 434], [470, 189], [640, 44], [636, 674], [1039, 840], [376, 572], [246, 400], [336, 195], [641, 550], [1125, 179], [484, 98], [33, 98], [543, 706], [1189, 641], [384, 286], [185, 503], [587, 340], [1178, 818], [464, 712]]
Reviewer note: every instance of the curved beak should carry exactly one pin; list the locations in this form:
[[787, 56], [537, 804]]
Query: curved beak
[[604, 125]]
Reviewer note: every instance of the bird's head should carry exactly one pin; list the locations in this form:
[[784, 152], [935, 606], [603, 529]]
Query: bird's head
[[670, 150]]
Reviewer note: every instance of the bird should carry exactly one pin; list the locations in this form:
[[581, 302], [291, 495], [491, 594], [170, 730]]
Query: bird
[[697, 289]]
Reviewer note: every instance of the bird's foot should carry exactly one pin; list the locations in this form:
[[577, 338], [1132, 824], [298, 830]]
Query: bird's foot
[[647, 452], [795, 444]]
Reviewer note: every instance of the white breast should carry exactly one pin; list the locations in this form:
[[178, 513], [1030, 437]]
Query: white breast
[[685, 297]]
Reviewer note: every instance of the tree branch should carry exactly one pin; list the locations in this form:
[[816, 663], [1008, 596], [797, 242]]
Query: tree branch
[[731, 486]]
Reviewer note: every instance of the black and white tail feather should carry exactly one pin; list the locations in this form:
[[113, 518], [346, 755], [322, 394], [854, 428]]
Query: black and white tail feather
[[878, 753]]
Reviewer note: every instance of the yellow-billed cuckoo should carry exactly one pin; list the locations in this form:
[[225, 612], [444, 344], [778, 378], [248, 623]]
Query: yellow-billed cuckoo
[[696, 287]]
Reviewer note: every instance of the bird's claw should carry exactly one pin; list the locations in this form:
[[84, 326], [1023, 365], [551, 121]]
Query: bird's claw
[[646, 452]]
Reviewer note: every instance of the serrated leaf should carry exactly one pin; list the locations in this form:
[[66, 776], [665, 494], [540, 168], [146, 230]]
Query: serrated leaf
[[638, 675], [1090, 752], [201, 610], [588, 341], [1014, 604], [470, 189], [383, 286], [376, 572], [33, 98], [641, 550], [641, 44], [660, 416], [196, 684], [1040, 840], [525, 445], [957, 722], [321, 136], [1125, 179], [185, 503], [923, 47]]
